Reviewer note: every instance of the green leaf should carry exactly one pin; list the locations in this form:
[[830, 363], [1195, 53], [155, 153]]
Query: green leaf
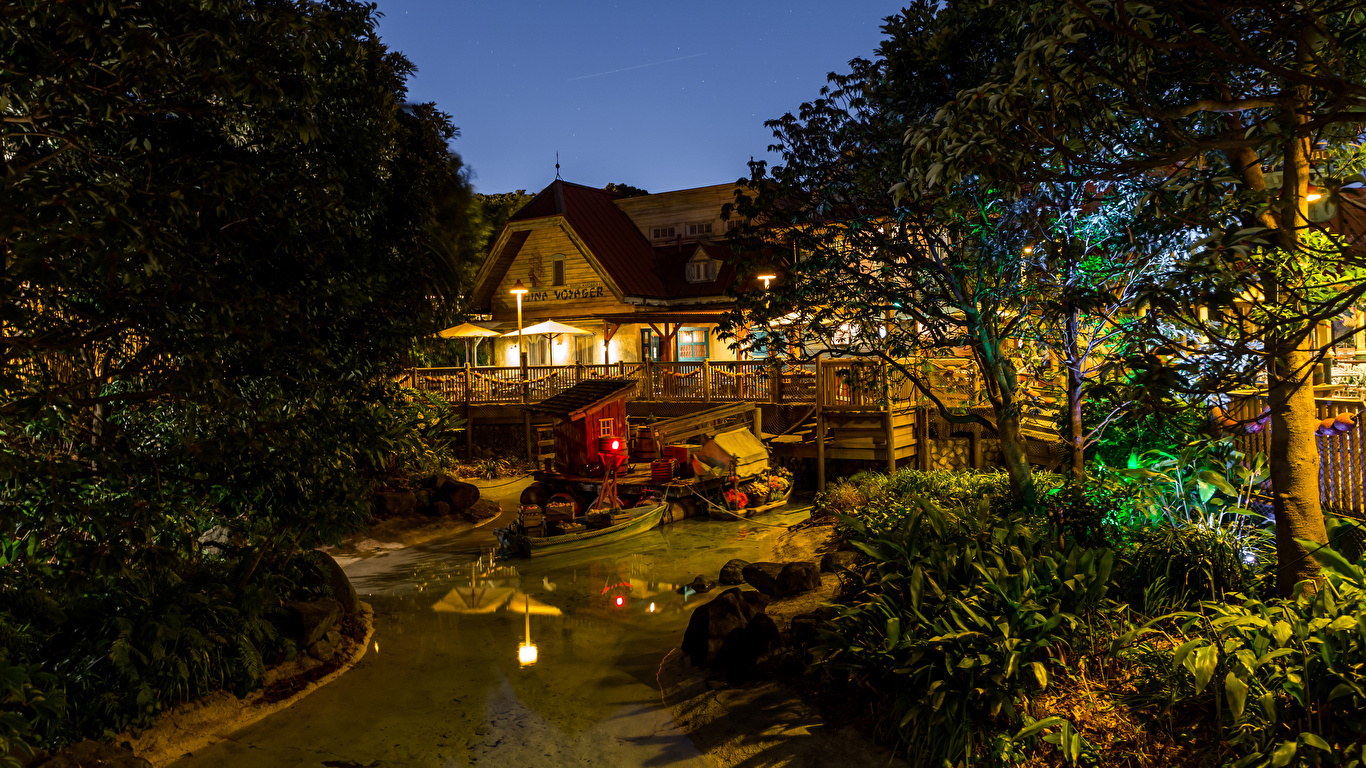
[[1040, 674], [1236, 691], [1333, 561], [893, 632], [1201, 664], [1282, 755], [1038, 725], [1315, 741]]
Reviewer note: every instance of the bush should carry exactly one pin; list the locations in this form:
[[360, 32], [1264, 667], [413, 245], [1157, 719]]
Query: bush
[[962, 615], [1176, 565]]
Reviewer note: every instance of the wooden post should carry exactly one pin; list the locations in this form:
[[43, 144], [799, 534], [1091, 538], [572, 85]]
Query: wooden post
[[820, 429], [757, 423], [649, 376], [530, 440], [469, 432], [775, 379], [890, 426], [706, 381], [469, 383]]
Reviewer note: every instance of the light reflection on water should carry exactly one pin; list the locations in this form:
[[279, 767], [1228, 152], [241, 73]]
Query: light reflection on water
[[452, 687]]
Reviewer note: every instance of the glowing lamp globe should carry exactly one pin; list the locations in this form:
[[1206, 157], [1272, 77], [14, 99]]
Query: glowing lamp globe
[[612, 445], [526, 654], [620, 601]]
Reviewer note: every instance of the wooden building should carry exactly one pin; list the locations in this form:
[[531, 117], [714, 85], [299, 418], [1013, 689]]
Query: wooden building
[[582, 414], [646, 276]]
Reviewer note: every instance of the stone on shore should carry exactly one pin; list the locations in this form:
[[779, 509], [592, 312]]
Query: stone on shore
[[733, 572], [394, 503], [796, 578], [311, 620], [745, 652], [833, 562], [763, 576], [340, 586], [711, 623], [699, 585]]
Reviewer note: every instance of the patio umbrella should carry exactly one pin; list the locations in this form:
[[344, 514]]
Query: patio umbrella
[[474, 600], [467, 331], [551, 328], [522, 602]]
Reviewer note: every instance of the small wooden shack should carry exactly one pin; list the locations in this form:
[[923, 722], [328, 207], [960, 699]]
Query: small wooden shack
[[583, 413]]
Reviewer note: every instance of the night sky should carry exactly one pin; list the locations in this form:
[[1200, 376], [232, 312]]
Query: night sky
[[659, 95]]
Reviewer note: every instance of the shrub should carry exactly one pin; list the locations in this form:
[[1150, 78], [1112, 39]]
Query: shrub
[[962, 615]]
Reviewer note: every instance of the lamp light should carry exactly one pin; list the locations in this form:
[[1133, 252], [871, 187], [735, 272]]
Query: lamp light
[[518, 289], [767, 278]]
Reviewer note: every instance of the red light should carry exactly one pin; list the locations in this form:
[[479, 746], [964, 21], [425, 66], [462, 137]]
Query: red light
[[620, 601], [616, 445]]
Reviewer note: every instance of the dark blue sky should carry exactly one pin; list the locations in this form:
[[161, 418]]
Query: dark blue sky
[[660, 95]]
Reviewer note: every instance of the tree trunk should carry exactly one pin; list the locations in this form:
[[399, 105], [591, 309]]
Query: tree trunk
[[1015, 456], [1294, 464], [1076, 432]]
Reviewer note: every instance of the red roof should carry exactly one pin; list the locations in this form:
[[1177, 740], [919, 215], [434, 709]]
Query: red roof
[[613, 238]]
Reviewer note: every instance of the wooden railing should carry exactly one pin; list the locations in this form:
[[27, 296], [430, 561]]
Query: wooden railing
[[1342, 455], [732, 381]]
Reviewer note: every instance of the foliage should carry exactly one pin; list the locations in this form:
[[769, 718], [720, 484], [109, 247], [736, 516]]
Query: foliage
[[625, 190], [1282, 678], [1143, 423], [962, 615], [22, 704], [875, 497]]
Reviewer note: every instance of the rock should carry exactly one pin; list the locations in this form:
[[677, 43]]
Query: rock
[[439, 509], [459, 495], [762, 576], [834, 562], [699, 585], [745, 652], [219, 540], [332, 638], [758, 600], [731, 572], [308, 663], [394, 503], [312, 620], [711, 623], [482, 509], [340, 585], [322, 650], [93, 754], [805, 627], [796, 578]]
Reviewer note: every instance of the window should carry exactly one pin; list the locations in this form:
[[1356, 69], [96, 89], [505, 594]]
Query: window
[[557, 269], [585, 349], [538, 350], [732, 224], [662, 233], [758, 349], [692, 344], [699, 228], [649, 345], [605, 427], [702, 270]]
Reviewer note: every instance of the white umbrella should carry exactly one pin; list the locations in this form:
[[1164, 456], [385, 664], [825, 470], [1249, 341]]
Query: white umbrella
[[474, 600], [550, 328], [468, 331]]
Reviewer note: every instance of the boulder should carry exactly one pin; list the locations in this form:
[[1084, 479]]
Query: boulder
[[731, 572], [745, 652], [439, 509], [834, 562], [459, 495], [758, 600], [796, 578], [340, 586], [699, 585], [332, 638], [394, 503], [322, 650], [805, 627], [311, 620], [762, 576], [711, 623], [94, 754], [220, 540], [482, 509]]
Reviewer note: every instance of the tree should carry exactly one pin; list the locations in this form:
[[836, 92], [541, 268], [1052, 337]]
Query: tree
[[625, 190], [1231, 111], [215, 235]]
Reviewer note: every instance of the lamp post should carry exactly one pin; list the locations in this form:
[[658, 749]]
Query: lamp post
[[517, 290]]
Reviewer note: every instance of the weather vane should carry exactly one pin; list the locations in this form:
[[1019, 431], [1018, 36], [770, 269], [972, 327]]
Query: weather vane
[[557, 165]]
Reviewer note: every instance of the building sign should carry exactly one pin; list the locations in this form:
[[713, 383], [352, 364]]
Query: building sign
[[558, 293]]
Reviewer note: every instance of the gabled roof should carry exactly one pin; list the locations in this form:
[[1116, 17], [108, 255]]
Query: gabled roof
[[606, 229], [584, 396], [671, 264]]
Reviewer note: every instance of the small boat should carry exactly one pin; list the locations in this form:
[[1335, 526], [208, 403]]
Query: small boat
[[731, 514], [512, 543]]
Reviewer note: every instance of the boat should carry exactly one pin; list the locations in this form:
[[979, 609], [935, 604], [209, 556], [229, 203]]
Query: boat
[[513, 543], [730, 514]]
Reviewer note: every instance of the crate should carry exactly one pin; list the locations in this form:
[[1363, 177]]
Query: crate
[[662, 470], [560, 510], [619, 518]]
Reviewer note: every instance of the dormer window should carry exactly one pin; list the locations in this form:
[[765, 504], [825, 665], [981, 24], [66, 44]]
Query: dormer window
[[702, 269], [698, 229], [663, 233]]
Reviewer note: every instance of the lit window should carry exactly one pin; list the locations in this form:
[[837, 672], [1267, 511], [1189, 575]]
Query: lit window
[[605, 427]]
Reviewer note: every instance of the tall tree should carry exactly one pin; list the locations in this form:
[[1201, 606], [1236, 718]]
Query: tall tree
[[1232, 110]]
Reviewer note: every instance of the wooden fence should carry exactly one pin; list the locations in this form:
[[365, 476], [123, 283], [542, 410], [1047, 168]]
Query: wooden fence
[[1342, 456]]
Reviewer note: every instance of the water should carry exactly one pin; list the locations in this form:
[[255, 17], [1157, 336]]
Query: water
[[441, 683]]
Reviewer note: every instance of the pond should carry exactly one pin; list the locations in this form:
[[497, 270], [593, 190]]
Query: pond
[[442, 685]]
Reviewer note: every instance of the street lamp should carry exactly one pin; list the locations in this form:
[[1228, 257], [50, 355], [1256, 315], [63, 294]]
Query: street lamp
[[517, 290], [767, 278]]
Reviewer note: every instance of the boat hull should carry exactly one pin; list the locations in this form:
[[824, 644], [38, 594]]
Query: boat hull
[[517, 545]]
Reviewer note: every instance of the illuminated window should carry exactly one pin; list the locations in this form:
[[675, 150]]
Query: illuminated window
[[692, 344], [605, 427]]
